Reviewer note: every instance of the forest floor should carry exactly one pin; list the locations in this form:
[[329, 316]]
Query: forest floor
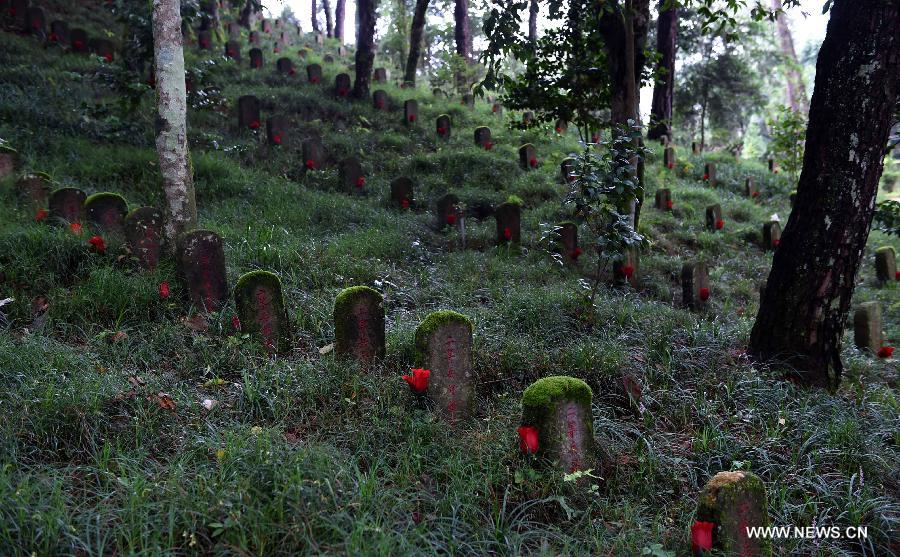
[[106, 447]]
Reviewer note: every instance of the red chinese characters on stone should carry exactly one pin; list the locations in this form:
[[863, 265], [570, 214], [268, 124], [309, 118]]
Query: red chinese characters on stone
[[264, 317], [450, 354], [573, 442]]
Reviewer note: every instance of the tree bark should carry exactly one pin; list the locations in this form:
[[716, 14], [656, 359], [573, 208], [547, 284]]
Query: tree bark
[[417, 30], [315, 18], [339, 19], [248, 14], [532, 20], [461, 31], [796, 87], [664, 88], [808, 294], [365, 46], [329, 30], [171, 122]]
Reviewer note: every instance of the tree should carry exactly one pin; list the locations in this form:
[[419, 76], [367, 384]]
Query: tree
[[248, 13], [796, 87], [807, 297], [664, 88], [315, 17], [365, 46], [329, 30], [533, 10], [339, 20], [461, 31], [171, 123], [415, 40]]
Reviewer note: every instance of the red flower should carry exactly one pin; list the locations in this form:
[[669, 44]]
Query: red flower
[[671, 165], [776, 242], [311, 164], [754, 195], [441, 130], [379, 105], [896, 275], [886, 352], [720, 224], [576, 253], [235, 323], [528, 439], [75, 227], [231, 53], [418, 381], [292, 71], [451, 219], [507, 233], [405, 203], [343, 91], [595, 138], [533, 162], [204, 43], [276, 139], [669, 204], [254, 125], [702, 536], [627, 271], [41, 214], [361, 181], [315, 79], [53, 37], [706, 176], [108, 57], [412, 118], [98, 244], [493, 109], [488, 146], [704, 294], [277, 50], [164, 290], [78, 44], [558, 130]]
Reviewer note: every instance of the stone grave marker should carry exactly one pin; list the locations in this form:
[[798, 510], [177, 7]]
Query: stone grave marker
[[254, 38], [320, 39], [201, 261], [59, 33], [248, 112], [771, 233], [328, 59], [33, 189], [750, 189], [342, 51], [410, 112], [18, 10], [266, 26], [234, 31], [313, 154], [380, 75], [260, 308], [559, 408], [561, 126], [483, 137], [9, 162], [233, 50], [402, 190], [714, 219], [669, 157], [284, 38], [528, 157], [277, 130], [380, 100], [342, 85], [468, 100], [509, 223], [443, 344], [106, 212], [79, 40], [664, 199], [709, 174], [497, 109], [35, 22], [67, 204], [103, 48], [568, 240], [528, 118], [695, 148], [771, 165], [733, 502], [442, 126], [144, 235], [352, 178], [447, 210], [867, 327], [314, 73], [359, 325], [886, 265], [204, 40], [627, 269], [695, 290], [285, 66], [256, 58]]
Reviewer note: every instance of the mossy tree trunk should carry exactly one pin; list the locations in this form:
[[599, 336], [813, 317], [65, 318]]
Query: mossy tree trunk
[[664, 89], [171, 122], [339, 20], [807, 297], [417, 30], [365, 46]]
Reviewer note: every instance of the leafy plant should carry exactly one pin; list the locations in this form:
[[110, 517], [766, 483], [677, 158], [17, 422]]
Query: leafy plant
[[788, 129], [887, 217]]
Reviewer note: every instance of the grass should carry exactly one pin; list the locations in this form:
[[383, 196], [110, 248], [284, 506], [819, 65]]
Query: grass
[[106, 447]]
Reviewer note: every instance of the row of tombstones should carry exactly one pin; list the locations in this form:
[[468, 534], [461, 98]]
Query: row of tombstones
[[32, 20]]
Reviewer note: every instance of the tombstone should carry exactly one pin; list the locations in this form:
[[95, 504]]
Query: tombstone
[[35, 22], [342, 85], [695, 148], [709, 173], [568, 240], [867, 327], [320, 39], [59, 33], [402, 193], [9, 162], [695, 290], [285, 66], [443, 344], [561, 126], [559, 408], [750, 189], [266, 26], [380, 75], [468, 100], [144, 234], [204, 40], [260, 308], [106, 212], [103, 48], [447, 210], [302, 53], [497, 109], [277, 130], [771, 165], [771, 233], [201, 262], [233, 50], [627, 269], [567, 169], [509, 223], [528, 157], [664, 199], [886, 265], [669, 157], [328, 59], [18, 10], [380, 99], [248, 112], [410, 111], [352, 178], [483, 137], [284, 38], [33, 189], [79, 40], [714, 218], [314, 73], [254, 38], [733, 502], [234, 31], [67, 204], [527, 118], [342, 51], [313, 154], [256, 58], [442, 126], [359, 325]]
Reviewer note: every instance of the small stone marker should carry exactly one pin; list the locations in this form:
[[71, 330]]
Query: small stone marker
[[328, 59], [734, 502], [284, 38], [277, 130], [771, 165], [442, 126], [669, 157], [444, 346], [509, 223], [342, 51], [714, 218], [314, 73], [248, 112], [528, 157], [447, 210], [867, 327], [750, 188], [695, 148], [233, 50], [771, 233], [285, 66], [359, 325], [402, 192], [342, 85], [59, 33], [79, 40], [568, 239], [106, 211], [33, 189], [567, 170], [201, 261], [204, 40], [380, 100], [254, 38], [559, 408], [35, 23], [313, 154], [483, 137], [497, 109], [256, 58], [9, 162], [886, 265], [66, 204], [260, 308], [320, 39], [528, 118], [410, 112], [627, 269], [561, 126], [709, 173], [468, 100], [17, 10], [380, 75], [266, 26], [664, 199], [695, 289], [352, 178], [234, 30], [103, 48], [144, 234]]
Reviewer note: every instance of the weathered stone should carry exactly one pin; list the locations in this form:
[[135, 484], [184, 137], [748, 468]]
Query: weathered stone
[[285, 66], [468, 100], [771, 164], [447, 210], [695, 289], [9, 162], [17, 11], [35, 22], [261, 310], [254, 38], [568, 242], [561, 126], [144, 235], [102, 48], [79, 40], [313, 154], [734, 502], [266, 25], [402, 190], [410, 112], [528, 118], [483, 137], [59, 33], [528, 157], [867, 333], [380, 75], [328, 59], [567, 170], [627, 269], [509, 223], [233, 50], [771, 233], [106, 212], [33, 189], [380, 100], [256, 58], [353, 180], [277, 130], [342, 85], [320, 39], [714, 218], [669, 157], [314, 73], [444, 346], [886, 265], [664, 199], [709, 174], [497, 109], [750, 189], [67, 204], [248, 112], [442, 125], [342, 51], [234, 30], [695, 148], [201, 261], [359, 325], [559, 408]]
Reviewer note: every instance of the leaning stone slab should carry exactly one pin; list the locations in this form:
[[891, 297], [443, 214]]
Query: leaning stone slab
[[509, 223], [67, 204], [144, 235], [442, 126], [201, 261], [402, 190], [248, 112], [106, 212], [353, 180], [559, 407], [695, 290], [483, 136], [771, 233], [410, 112], [733, 502], [714, 217], [260, 307], [528, 157], [359, 325], [867, 327], [886, 265], [444, 346]]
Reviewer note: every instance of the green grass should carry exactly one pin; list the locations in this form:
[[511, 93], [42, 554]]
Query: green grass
[[303, 454]]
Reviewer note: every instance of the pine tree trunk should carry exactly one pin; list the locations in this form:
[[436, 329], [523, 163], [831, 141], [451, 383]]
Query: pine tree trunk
[[796, 87], [664, 89], [808, 294], [315, 18], [171, 122], [329, 30], [532, 20], [415, 40], [365, 46], [339, 19]]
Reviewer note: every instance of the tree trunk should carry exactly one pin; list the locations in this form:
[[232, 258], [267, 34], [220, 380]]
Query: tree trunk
[[461, 31], [248, 13], [796, 87], [315, 18], [415, 40], [329, 30], [339, 20], [532, 20], [365, 46], [807, 297], [171, 120], [664, 88]]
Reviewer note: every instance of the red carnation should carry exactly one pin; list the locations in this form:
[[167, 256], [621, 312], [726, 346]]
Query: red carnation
[[776, 242], [706, 176], [108, 57], [886, 352], [315, 79], [53, 37], [488, 146], [627, 271], [343, 91], [418, 381], [533, 162], [671, 165], [493, 109], [311, 164], [277, 50], [558, 130], [528, 439], [412, 118], [404, 203], [78, 44], [231, 53], [276, 139], [702, 536], [576, 253], [507, 233], [451, 219], [379, 105], [292, 71], [704, 294], [254, 125], [776, 171], [98, 244], [754, 194], [896, 275], [75, 227], [441, 130], [41, 214], [361, 181], [235, 323], [204, 43], [669, 204], [720, 224], [164, 290]]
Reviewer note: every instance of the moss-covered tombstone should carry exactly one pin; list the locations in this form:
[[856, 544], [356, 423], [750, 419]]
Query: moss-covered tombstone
[[695, 289], [483, 136], [380, 99], [380, 75], [626, 270], [771, 233], [528, 157], [567, 170], [751, 190], [410, 112], [509, 223], [260, 307], [664, 199], [669, 157], [734, 501], [559, 407], [342, 84], [353, 180], [33, 190], [201, 262], [442, 126], [359, 325], [248, 112], [144, 235], [886, 265], [714, 218], [314, 73], [402, 190], [444, 346], [106, 213], [709, 174], [313, 154], [447, 209], [9, 162], [867, 327], [67, 204]]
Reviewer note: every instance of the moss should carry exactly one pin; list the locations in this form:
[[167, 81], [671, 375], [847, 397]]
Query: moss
[[447, 116], [431, 323], [886, 249], [343, 305], [102, 196], [731, 499], [515, 200], [545, 392], [131, 214], [526, 146]]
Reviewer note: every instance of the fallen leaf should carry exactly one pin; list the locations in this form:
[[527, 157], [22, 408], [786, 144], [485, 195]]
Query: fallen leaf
[[119, 337], [326, 349], [164, 400], [196, 323], [136, 381]]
